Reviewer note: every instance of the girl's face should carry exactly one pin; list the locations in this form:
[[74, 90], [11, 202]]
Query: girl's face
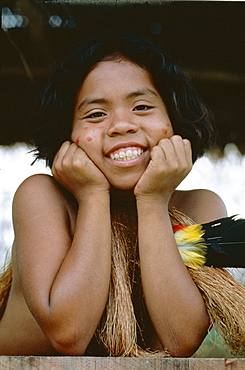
[[119, 117]]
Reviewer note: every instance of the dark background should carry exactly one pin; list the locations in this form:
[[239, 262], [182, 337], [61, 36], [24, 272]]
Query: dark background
[[205, 37]]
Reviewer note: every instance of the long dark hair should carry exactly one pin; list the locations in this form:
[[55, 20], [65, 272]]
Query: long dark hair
[[54, 113]]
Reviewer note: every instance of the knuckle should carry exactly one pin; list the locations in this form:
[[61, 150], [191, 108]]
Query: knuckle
[[175, 168], [53, 171], [187, 142], [163, 140], [187, 145], [76, 164], [163, 143], [155, 152], [176, 138], [156, 149], [161, 169], [65, 162], [56, 166]]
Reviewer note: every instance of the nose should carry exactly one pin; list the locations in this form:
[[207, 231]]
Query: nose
[[122, 124]]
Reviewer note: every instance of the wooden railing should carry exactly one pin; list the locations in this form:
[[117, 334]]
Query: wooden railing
[[121, 363]]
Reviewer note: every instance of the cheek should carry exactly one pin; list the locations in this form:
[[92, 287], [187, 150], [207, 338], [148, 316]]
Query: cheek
[[81, 136], [88, 138], [167, 131], [77, 140], [94, 134]]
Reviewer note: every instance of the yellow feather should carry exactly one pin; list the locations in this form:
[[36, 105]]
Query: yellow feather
[[190, 244]]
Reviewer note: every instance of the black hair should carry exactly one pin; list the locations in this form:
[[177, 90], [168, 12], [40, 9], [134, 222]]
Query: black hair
[[52, 119]]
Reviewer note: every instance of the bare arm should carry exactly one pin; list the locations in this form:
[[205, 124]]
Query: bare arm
[[65, 279], [174, 303]]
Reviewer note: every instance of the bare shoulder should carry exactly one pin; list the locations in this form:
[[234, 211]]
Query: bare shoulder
[[37, 184], [200, 205], [38, 189], [40, 195]]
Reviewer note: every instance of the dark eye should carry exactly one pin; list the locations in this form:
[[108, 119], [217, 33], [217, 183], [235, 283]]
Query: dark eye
[[142, 107], [96, 115]]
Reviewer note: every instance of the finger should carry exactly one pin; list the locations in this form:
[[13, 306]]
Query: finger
[[177, 153], [183, 154], [188, 151], [70, 155], [60, 155], [181, 150], [169, 150], [62, 150], [158, 156], [57, 158]]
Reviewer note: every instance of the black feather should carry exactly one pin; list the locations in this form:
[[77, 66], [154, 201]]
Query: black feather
[[225, 240]]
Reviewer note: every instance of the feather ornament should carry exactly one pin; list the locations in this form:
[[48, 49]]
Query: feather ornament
[[191, 245], [225, 240], [220, 243]]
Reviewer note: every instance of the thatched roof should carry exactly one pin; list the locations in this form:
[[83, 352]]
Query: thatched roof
[[206, 37]]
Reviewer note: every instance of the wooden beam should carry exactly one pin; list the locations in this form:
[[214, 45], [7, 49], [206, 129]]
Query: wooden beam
[[121, 363]]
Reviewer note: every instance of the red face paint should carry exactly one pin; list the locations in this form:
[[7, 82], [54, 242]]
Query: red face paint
[[89, 138], [78, 139]]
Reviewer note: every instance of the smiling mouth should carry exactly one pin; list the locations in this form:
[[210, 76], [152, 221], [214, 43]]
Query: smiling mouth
[[126, 155]]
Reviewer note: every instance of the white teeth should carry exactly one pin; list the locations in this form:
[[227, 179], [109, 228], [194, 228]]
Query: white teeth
[[122, 155], [128, 155]]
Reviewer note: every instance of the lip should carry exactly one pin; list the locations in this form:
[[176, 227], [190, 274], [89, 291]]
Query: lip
[[129, 144]]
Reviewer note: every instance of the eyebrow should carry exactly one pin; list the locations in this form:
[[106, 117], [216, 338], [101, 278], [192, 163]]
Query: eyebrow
[[92, 101], [142, 92], [129, 96]]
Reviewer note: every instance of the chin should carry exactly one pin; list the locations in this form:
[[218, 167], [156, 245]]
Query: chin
[[125, 182], [124, 185]]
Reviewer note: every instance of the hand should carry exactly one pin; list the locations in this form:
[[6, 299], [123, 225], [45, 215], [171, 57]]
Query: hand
[[170, 162], [73, 169]]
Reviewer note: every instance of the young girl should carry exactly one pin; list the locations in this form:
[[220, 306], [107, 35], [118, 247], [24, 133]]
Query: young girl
[[95, 265]]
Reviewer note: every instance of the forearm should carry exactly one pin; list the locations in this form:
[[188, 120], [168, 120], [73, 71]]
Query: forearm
[[174, 303], [80, 289]]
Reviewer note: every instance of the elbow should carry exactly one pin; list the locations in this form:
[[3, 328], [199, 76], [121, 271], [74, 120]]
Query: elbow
[[68, 348], [188, 343], [185, 347], [182, 350], [69, 335], [69, 344]]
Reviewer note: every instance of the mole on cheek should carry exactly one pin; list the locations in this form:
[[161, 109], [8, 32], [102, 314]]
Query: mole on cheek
[[164, 131], [77, 140], [89, 138]]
